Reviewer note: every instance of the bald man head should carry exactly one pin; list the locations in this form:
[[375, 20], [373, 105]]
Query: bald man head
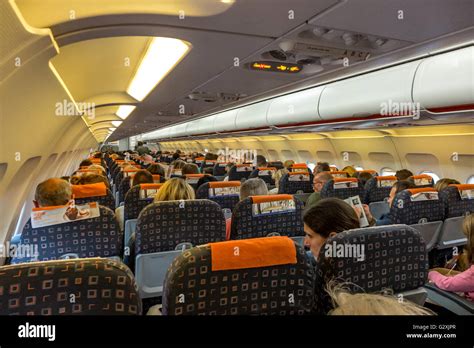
[[52, 192]]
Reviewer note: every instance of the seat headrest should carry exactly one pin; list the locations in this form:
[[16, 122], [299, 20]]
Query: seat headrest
[[338, 173], [387, 177], [299, 165], [422, 189], [150, 186], [252, 253], [298, 173], [95, 160], [267, 168], [216, 184], [243, 165], [156, 178], [345, 180], [89, 190], [270, 198]]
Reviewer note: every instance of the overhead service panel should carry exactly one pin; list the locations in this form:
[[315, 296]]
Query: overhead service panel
[[370, 94], [446, 80]]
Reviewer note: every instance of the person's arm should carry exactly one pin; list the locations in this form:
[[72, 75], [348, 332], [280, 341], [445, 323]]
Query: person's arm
[[463, 282]]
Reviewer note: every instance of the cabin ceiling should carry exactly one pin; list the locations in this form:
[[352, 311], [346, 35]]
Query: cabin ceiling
[[95, 37]]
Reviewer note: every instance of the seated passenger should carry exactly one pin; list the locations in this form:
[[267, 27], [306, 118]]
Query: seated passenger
[[250, 187], [204, 179], [261, 161], [85, 163], [173, 190], [52, 192], [227, 170], [99, 168], [349, 170], [325, 219], [319, 181], [288, 163], [208, 170], [403, 174], [91, 178], [346, 303], [156, 169], [277, 176], [143, 176], [321, 167], [385, 219], [459, 281], [190, 168], [441, 184], [363, 177]]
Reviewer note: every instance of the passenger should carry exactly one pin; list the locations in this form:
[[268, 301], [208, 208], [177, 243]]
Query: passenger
[[319, 181], [52, 192], [325, 219], [143, 176], [250, 187], [321, 167], [385, 219], [441, 184], [227, 170], [349, 170], [204, 179], [403, 174], [92, 178], [363, 177], [175, 189], [190, 168], [276, 177], [208, 170], [75, 179], [85, 163], [459, 281], [156, 169], [346, 303], [99, 168], [142, 149], [288, 163], [253, 187], [261, 161]]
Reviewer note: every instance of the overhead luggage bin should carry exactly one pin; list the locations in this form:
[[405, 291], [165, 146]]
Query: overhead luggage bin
[[364, 95], [225, 121], [295, 108], [446, 80], [203, 125], [252, 116]]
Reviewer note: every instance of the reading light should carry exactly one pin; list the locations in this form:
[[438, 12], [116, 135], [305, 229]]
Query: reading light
[[161, 56], [125, 110], [116, 123]]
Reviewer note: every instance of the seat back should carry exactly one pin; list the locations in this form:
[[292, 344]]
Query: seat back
[[270, 276], [416, 206], [69, 287], [96, 237], [296, 182], [339, 174], [240, 172], [124, 187], [207, 164], [342, 188], [264, 173], [258, 216], [458, 200], [161, 226], [224, 193], [378, 188], [299, 167], [137, 198], [372, 259], [192, 179], [93, 193], [423, 180]]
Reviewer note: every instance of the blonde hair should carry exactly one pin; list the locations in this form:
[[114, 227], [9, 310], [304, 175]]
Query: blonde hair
[[288, 163], [350, 170], [346, 303], [278, 175], [468, 229], [97, 167], [441, 184], [173, 190]]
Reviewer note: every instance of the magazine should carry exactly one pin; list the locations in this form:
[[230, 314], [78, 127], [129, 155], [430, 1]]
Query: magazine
[[356, 203], [41, 217]]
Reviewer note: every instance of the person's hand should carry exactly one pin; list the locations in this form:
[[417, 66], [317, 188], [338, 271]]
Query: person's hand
[[368, 213]]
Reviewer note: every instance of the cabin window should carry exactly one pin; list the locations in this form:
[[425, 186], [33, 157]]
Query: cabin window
[[311, 166], [433, 175], [470, 180], [358, 168], [387, 171]]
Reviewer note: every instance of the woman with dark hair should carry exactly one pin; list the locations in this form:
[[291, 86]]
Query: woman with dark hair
[[325, 219]]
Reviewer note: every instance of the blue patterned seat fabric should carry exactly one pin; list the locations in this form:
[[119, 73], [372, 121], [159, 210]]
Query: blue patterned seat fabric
[[162, 226], [124, 187], [133, 205], [452, 202], [234, 174], [69, 287], [245, 225], [106, 201], [192, 288], [267, 178], [374, 193], [291, 187], [219, 169], [328, 190], [393, 257], [97, 237], [406, 211], [224, 201]]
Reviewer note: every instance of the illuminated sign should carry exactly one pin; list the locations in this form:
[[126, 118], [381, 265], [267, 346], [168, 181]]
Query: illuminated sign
[[288, 68]]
